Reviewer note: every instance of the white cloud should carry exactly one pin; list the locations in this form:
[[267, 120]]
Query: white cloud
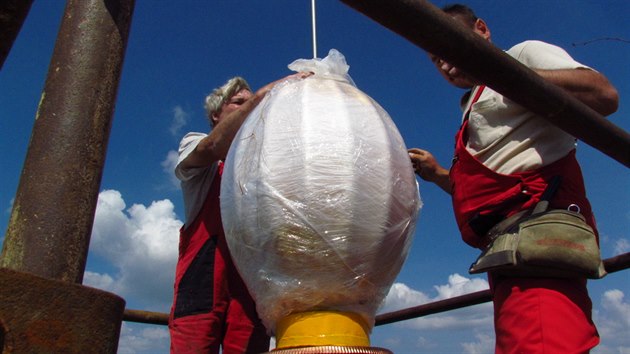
[[8, 210], [612, 320], [401, 296], [393, 341], [100, 281], [612, 302], [168, 166], [425, 344], [136, 339], [622, 245], [484, 344], [460, 285], [141, 243], [180, 118], [450, 331]]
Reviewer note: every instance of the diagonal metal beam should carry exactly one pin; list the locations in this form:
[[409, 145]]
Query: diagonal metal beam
[[428, 27]]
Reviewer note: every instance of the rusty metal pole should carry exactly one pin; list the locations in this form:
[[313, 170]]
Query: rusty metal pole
[[12, 15], [43, 307], [429, 28], [51, 221]]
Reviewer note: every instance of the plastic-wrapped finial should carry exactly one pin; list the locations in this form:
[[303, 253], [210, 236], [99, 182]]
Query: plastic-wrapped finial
[[318, 199]]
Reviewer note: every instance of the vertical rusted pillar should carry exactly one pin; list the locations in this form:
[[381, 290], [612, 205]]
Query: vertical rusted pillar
[[12, 15], [51, 221]]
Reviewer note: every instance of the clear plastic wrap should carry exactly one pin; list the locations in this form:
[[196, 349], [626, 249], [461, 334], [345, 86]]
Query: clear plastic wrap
[[318, 198]]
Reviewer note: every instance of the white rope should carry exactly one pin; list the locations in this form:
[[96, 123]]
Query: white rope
[[314, 29]]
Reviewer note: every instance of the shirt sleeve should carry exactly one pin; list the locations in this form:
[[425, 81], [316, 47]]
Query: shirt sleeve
[[541, 55], [186, 146], [196, 181]]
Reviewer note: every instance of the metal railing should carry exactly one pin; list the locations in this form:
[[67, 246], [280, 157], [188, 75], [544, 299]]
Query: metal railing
[[431, 29], [612, 265]]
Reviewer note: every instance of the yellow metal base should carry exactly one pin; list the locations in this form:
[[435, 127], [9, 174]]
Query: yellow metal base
[[322, 328]]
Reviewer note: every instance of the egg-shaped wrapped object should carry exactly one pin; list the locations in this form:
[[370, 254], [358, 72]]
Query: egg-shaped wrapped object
[[319, 199]]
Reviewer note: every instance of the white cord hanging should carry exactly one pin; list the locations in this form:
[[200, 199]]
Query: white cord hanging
[[314, 29]]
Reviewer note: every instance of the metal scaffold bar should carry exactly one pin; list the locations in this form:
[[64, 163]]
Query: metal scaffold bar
[[145, 317], [428, 27]]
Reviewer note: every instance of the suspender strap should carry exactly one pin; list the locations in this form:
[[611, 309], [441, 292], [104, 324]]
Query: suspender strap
[[474, 100]]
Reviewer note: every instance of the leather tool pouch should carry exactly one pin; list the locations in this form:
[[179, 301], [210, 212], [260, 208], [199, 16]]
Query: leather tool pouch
[[554, 243]]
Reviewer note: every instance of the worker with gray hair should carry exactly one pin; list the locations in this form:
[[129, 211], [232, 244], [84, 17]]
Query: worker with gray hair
[[212, 308]]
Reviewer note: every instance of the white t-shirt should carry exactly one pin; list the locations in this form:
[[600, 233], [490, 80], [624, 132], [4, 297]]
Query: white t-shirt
[[195, 182], [508, 138]]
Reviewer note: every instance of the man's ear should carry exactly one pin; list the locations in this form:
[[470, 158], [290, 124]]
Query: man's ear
[[214, 118], [482, 29]]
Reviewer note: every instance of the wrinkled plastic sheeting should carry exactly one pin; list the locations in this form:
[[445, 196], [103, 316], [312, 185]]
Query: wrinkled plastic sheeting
[[319, 200]]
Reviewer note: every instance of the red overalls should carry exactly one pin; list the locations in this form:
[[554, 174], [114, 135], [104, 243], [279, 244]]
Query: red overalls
[[211, 305], [532, 315]]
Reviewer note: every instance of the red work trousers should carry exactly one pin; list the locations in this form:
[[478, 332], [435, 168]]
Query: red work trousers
[[212, 306], [542, 315]]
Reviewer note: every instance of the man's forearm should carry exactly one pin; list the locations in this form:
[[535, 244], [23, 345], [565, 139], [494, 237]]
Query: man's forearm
[[588, 86], [215, 146], [443, 180]]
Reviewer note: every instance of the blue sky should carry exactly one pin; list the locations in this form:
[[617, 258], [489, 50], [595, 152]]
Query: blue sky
[[178, 51]]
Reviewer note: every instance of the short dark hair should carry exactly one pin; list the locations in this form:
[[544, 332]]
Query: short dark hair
[[467, 14]]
